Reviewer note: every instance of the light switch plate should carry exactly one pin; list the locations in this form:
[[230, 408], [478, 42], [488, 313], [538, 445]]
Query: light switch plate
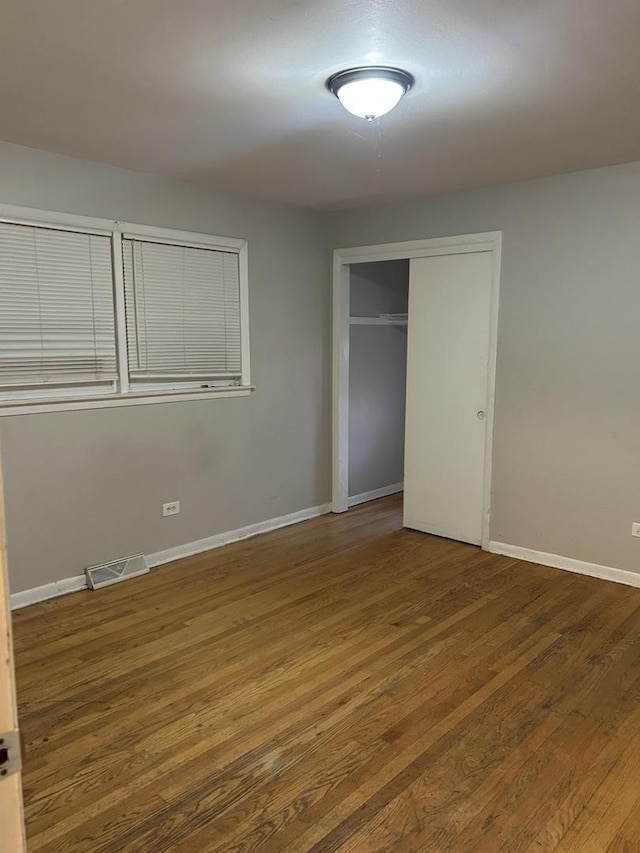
[[635, 528]]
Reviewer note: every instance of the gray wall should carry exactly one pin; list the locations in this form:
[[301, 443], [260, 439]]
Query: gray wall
[[86, 486], [567, 435], [377, 377]]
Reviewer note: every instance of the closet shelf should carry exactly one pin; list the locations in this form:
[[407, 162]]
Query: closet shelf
[[380, 320]]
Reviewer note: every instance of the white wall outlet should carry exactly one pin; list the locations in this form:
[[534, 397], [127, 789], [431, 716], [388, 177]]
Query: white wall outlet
[[172, 508], [635, 528]]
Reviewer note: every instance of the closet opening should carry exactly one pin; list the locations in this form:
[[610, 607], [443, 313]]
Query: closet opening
[[415, 328], [378, 306]]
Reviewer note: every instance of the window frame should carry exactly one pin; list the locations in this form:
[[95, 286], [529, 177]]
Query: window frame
[[124, 394]]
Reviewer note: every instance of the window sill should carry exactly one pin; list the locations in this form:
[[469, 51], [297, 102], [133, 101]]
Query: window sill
[[136, 398]]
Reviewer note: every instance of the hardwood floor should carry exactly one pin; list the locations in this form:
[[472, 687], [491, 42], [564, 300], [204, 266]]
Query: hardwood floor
[[341, 685]]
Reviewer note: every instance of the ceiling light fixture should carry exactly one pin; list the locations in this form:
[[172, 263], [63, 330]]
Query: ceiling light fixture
[[371, 91]]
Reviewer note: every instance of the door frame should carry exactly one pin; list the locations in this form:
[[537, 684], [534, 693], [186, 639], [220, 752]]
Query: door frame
[[11, 806], [489, 241]]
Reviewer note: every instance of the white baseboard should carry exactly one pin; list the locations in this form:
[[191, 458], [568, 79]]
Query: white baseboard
[[220, 539], [384, 492], [49, 590], [555, 561], [78, 582]]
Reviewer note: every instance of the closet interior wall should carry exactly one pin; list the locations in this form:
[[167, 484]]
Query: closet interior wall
[[377, 377]]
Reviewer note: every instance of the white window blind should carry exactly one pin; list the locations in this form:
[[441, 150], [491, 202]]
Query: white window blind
[[182, 312], [56, 308]]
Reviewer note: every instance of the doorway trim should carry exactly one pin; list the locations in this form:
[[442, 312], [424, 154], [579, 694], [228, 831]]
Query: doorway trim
[[489, 241]]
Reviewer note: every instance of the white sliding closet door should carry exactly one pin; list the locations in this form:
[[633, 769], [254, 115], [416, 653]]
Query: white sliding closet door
[[447, 394]]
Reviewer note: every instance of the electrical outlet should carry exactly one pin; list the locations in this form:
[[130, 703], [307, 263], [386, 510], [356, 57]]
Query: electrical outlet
[[172, 508], [635, 528]]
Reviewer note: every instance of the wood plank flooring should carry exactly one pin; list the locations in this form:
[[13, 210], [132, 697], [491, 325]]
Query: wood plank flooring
[[341, 685]]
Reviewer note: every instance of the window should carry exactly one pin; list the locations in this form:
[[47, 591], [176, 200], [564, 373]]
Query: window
[[56, 309], [183, 313], [118, 314]]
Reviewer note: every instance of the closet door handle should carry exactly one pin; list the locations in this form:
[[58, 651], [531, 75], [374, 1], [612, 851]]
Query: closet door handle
[[480, 415]]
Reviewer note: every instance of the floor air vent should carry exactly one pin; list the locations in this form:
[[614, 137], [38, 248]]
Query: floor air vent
[[117, 570]]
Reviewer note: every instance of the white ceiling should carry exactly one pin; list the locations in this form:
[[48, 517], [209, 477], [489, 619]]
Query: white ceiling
[[231, 92]]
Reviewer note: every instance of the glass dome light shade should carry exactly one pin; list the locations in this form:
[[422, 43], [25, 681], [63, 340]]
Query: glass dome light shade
[[370, 98], [370, 92]]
